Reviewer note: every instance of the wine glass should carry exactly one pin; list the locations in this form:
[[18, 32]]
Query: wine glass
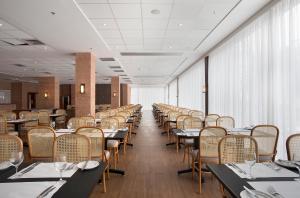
[[251, 162], [60, 164], [114, 127], [16, 159], [21, 116], [69, 125]]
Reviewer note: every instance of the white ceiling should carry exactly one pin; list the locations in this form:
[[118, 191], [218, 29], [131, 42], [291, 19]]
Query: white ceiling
[[109, 27]]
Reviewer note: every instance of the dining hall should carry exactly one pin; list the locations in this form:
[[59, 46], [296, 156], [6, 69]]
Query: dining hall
[[150, 98]]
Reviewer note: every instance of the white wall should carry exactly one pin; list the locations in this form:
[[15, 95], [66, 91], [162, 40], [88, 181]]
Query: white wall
[[146, 96]]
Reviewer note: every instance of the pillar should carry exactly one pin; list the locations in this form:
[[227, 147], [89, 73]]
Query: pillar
[[85, 76], [115, 92]]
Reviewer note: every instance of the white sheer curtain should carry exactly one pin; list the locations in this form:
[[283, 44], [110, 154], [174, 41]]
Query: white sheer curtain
[[146, 96], [190, 85], [166, 101], [254, 76], [173, 93]]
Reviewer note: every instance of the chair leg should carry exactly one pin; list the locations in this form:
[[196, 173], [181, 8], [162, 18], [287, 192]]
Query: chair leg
[[193, 167], [184, 151], [104, 182], [188, 154], [199, 176], [115, 157]]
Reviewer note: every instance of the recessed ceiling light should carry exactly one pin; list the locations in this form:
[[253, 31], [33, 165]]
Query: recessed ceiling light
[[53, 13], [104, 24], [180, 24], [155, 11], [0, 24], [170, 47]]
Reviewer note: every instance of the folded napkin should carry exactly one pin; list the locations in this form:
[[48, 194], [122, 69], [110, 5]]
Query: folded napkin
[[288, 189], [261, 170], [65, 131], [27, 189], [109, 130], [43, 170]]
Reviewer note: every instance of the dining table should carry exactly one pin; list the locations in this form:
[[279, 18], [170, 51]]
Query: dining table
[[18, 122], [30, 185]]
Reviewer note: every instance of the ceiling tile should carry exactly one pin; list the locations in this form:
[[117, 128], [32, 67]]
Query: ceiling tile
[[155, 24], [186, 10], [134, 47], [114, 41], [158, 1], [97, 10], [91, 1], [126, 10], [4, 35], [110, 33], [6, 26], [133, 41], [124, 1], [154, 34], [18, 34], [132, 33], [129, 24], [103, 24], [164, 9]]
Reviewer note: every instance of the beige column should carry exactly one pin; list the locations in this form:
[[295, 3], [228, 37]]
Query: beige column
[[125, 94], [115, 92], [85, 75]]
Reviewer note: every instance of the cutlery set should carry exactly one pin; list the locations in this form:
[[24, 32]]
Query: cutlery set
[[26, 170]]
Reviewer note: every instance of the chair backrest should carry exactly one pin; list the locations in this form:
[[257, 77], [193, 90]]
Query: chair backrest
[[211, 119], [9, 144], [61, 118], [40, 142], [96, 136], [22, 114], [10, 115], [192, 123], [88, 121], [226, 122], [209, 139], [109, 123], [237, 149], [44, 118], [102, 114], [180, 121], [125, 114], [76, 122], [198, 114], [3, 125], [76, 147], [34, 116], [293, 147], [266, 137], [172, 115], [121, 121]]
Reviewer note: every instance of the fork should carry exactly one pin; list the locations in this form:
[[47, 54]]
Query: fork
[[273, 192]]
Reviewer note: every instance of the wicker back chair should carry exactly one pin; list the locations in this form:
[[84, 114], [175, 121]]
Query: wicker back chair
[[226, 122], [44, 118], [88, 121], [198, 114], [102, 114], [172, 115], [60, 120], [121, 121], [34, 116], [9, 144], [75, 123], [10, 116], [211, 119], [40, 142], [209, 139], [237, 149], [180, 121], [97, 140], [192, 123], [125, 114], [3, 125], [266, 137], [109, 123], [293, 147], [22, 114], [76, 147]]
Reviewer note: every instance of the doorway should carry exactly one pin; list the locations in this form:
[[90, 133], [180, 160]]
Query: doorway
[[31, 100]]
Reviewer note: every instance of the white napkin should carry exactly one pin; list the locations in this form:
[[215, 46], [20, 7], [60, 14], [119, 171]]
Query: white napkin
[[65, 131], [288, 189], [260, 170], [27, 189], [44, 170], [191, 130], [109, 134], [109, 130]]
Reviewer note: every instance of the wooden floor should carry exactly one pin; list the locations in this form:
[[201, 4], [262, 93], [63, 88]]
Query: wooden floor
[[151, 169]]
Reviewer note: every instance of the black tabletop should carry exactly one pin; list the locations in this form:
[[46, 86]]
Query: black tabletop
[[233, 183], [79, 185]]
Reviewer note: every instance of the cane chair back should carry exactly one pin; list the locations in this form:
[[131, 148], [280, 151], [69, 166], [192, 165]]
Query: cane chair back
[[88, 121], [10, 116], [40, 142], [237, 149], [22, 114], [75, 123], [266, 137], [172, 115], [211, 120], [198, 114], [293, 147], [61, 119], [76, 147], [9, 144], [44, 118], [121, 121], [109, 123], [226, 122], [125, 114], [3, 125], [192, 123], [96, 136], [113, 112], [180, 121], [34, 116], [102, 114]]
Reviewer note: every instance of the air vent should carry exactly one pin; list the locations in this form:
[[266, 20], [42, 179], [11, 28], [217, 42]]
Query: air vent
[[107, 59], [123, 74], [46, 72], [115, 67], [33, 42], [119, 70], [151, 53], [126, 78], [19, 65]]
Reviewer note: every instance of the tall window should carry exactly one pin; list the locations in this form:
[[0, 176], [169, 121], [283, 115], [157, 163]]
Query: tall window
[[173, 93], [146, 96], [254, 76]]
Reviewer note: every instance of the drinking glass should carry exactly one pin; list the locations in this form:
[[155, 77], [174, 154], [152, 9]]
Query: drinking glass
[[60, 164], [251, 162], [113, 126], [16, 159], [22, 116], [69, 126]]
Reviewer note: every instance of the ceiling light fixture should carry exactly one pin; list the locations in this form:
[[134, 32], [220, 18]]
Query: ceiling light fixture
[[155, 11], [170, 47], [180, 24], [104, 24], [53, 13], [0, 24]]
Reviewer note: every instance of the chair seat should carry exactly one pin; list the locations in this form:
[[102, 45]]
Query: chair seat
[[189, 142], [112, 143]]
